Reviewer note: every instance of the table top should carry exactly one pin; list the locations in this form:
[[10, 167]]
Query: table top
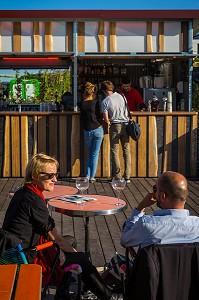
[[60, 191], [104, 205]]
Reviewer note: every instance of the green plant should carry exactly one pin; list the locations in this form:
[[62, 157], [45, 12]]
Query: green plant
[[49, 86]]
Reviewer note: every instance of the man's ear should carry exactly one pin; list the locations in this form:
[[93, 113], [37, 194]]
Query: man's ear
[[163, 195]]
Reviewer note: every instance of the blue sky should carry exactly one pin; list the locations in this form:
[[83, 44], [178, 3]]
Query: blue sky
[[100, 4]]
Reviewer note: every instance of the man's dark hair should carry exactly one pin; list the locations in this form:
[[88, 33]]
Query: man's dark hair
[[126, 80]]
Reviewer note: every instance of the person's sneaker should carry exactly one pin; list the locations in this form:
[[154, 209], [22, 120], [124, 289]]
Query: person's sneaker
[[92, 180], [116, 297], [88, 295], [127, 180]]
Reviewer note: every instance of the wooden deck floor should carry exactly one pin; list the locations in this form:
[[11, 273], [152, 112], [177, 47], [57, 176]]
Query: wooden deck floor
[[104, 231]]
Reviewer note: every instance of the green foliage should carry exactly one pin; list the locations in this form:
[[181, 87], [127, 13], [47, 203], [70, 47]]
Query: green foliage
[[52, 84]]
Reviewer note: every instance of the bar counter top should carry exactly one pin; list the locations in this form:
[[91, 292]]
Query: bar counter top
[[137, 113]]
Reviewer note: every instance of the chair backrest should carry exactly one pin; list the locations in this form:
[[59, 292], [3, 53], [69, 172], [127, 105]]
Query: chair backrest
[[165, 272]]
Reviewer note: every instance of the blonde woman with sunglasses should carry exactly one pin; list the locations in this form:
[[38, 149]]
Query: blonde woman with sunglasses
[[28, 218]]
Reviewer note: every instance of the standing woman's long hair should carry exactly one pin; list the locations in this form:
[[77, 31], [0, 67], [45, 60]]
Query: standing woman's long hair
[[89, 91]]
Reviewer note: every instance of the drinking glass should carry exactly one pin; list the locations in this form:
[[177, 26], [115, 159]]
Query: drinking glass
[[118, 184], [82, 184]]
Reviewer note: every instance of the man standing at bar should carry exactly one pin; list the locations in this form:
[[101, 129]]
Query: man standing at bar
[[133, 97], [115, 113]]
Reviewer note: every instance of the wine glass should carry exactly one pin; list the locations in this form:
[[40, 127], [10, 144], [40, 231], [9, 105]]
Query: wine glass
[[118, 184], [82, 184]]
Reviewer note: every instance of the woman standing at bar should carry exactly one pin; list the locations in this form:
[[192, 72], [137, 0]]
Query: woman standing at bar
[[93, 130]]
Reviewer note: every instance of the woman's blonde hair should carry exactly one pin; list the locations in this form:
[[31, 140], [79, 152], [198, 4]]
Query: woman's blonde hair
[[36, 164], [88, 90]]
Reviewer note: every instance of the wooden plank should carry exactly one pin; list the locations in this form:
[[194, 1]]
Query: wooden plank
[[53, 141], [106, 156], [48, 40], [7, 153], [16, 36], [15, 146], [69, 36], [133, 147], [41, 125], [7, 280], [36, 37], [152, 147], [184, 37], [26, 288], [167, 154], [62, 145], [161, 37], [24, 143], [35, 134], [149, 44], [75, 147], [142, 143], [99, 165], [121, 158], [101, 36], [81, 37], [112, 37], [193, 145], [182, 144]]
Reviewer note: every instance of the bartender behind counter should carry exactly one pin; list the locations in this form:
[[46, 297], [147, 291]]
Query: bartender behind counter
[[134, 98]]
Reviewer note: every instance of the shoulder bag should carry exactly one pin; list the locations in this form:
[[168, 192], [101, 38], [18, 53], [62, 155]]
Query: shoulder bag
[[133, 128]]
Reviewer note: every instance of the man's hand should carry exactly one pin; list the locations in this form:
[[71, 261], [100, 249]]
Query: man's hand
[[148, 200]]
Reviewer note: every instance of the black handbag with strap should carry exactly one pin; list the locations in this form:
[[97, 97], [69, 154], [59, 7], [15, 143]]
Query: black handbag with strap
[[133, 128]]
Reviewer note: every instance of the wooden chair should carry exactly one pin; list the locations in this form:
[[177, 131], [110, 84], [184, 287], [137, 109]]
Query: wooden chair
[[28, 283], [12, 253]]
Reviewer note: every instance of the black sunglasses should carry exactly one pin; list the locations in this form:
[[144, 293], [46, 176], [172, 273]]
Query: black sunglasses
[[50, 175], [154, 189]]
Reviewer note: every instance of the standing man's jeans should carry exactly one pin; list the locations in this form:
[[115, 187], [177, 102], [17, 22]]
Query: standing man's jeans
[[93, 140], [118, 133]]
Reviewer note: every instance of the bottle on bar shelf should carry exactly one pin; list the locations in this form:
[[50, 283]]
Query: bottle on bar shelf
[[154, 103], [164, 100], [182, 104]]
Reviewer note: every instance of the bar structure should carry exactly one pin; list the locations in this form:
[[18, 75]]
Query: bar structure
[[154, 48], [168, 142]]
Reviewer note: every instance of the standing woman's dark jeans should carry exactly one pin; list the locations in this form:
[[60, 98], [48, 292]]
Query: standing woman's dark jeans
[[90, 275]]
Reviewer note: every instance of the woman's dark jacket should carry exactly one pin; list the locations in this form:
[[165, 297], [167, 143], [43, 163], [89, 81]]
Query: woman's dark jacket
[[27, 217]]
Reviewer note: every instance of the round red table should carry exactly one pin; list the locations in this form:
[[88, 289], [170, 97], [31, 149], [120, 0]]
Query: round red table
[[104, 205]]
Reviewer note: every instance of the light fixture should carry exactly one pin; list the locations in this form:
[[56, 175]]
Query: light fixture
[[30, 58]]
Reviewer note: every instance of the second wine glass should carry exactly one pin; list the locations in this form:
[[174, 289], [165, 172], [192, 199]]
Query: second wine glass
[[118, 184], [82, 184]]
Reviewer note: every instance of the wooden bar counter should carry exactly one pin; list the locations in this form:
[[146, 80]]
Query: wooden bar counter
[[168, 142]]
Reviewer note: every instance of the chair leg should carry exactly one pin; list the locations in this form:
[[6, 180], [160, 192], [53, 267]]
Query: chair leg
[[127, 264], [79, 288], [62, 291]]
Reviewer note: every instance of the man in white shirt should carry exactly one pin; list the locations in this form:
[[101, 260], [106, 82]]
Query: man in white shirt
[[171, 224], [115, 113]]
